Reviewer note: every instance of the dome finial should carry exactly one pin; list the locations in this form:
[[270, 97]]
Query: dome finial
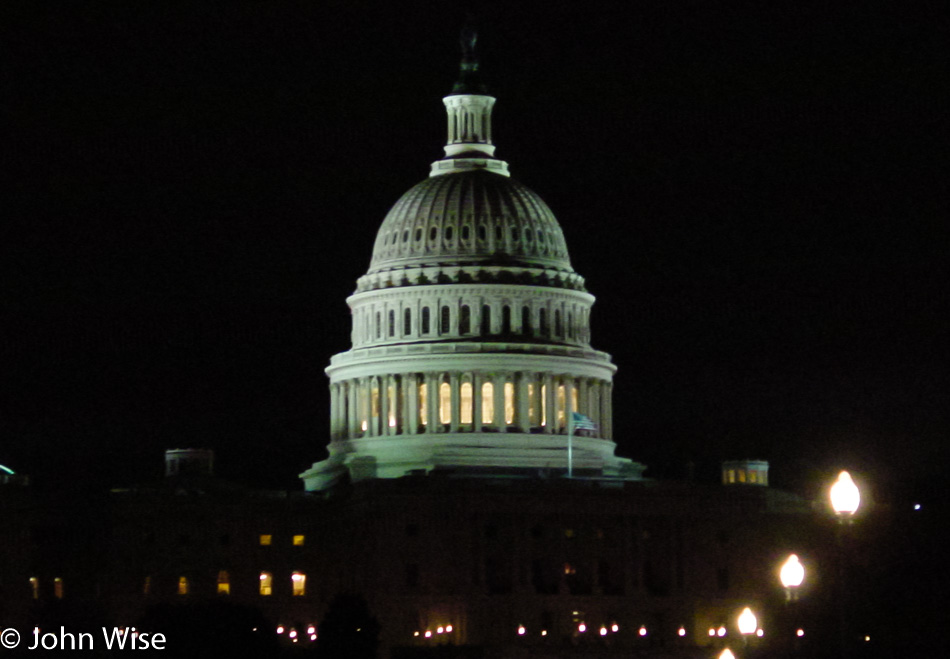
[[469, 81]]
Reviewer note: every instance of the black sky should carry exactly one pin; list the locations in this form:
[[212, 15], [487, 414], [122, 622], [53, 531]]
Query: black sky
[[755, 192]]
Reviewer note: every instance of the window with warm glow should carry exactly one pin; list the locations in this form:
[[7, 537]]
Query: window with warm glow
[[574, 399], [224, 583], [298, 540], [267, 583], [391, 404], [742, 475], [423, 410], [182, 585], [361, 410], [532, 412], [561, 398], [58, 588], [488, 403], [266, 539], [753, 476], [465, 398], [147, 586], [445, 403], [509, 403], [35, 587], [299, 582]]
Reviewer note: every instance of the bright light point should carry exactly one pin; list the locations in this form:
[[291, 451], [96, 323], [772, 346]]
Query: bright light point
[[295, 640], [521, 630], [263, 577], [747, 621], [712, 632], [615, 628], [415, 633], [603, 631], [727, 654], [544, 632], [643, 630], [792, 573], [800, 633], [721, 631], [448, 629], [916, 506], [439, 630], [313, 637], [428, 634], [867, 638], [280, 629], [682, 631], [311, 629], [845, 497], [760, 633], [582, 628]]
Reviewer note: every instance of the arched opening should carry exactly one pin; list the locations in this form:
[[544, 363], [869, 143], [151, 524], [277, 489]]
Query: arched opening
[[526, 321], [407, 322], [466, 403], [465, 320], [506, 320], [445, 403], [446, 318], [488, 403], [425, 320], [486, 320]]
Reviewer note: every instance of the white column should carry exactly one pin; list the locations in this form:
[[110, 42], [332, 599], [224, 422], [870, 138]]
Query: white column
[[550, 404], [522, 412], [456, 402], [411, 418], [498, 382], [477, 382], [432, 403]]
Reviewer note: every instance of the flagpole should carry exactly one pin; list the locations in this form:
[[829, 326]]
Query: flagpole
[[570, 448]]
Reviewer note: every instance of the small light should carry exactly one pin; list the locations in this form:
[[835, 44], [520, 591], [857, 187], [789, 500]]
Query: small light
[[280, 629], [428, 634], [448, 629], [439, 630], [712, 631], [415, 633], [800, 632], [295, 640], [311, 629], [293, 633], [721, 632], [916, 506], [254, 629], [747, 621], [544, 632], [521, 630], [727, 654], [603, 631], [582, 628], [615, 628], [760, 632], [867, 639], [643, 630], [682, 631], [313, 637]]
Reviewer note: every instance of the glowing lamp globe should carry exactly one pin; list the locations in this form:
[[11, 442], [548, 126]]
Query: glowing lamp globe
[[747, 621], [845, 497], [793, 572]]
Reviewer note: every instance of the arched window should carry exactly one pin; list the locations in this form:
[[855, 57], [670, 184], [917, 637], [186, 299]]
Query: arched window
[[446, 317], [425, 320], [465, 398], [224, 583], [465, 320], [506, 320], [543, 318], [488, 403], [379, 326], [445, 403], [509, 403], [557, 323], [486, 320], [58, 587], [298, 582], [407, 322], [526, 321], [570, 325], [392, 323]]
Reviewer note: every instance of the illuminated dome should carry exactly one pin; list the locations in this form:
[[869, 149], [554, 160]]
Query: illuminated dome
[[470, 218], [471, 349]]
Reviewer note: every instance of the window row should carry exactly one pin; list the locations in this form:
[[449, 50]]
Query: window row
[[266, 540], [265, 585], [564, 321], [36, 588], [416, 403]]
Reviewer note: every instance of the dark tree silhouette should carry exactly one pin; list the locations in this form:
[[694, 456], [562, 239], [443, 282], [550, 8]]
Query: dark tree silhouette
[[348, 630]]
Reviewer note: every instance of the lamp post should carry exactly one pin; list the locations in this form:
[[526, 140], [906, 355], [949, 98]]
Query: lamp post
[[845, 499], [791, 575], [747, 626]]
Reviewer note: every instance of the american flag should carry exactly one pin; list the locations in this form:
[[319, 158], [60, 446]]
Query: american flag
[[581, 422]]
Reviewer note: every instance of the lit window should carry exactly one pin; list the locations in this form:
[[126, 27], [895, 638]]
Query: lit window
[[266, 539], [753, 476], [466, 402], [35, 586], [298, 540], [423, 410], [445, 403], [374, 398], [532, 412], [561, 418], [731, 476], [574, 399], [147, 586], [182, 585], [391, 404], [267, 583], [488, 403], [299, 582], [742, 475], [58, 588], [544, 404], [224, 583], [509, 402]]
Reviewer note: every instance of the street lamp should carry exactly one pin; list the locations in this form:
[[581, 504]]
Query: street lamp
[[747, 625], [845, 497], [727, 654], [792, 574]]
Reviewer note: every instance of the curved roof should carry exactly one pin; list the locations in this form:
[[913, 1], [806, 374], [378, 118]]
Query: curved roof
[[470, 217]]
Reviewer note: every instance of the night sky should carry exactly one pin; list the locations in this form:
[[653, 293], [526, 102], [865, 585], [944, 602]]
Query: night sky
[[755, 192]]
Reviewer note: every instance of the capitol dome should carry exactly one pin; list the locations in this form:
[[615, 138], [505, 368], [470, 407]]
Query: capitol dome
[[470, 336]]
